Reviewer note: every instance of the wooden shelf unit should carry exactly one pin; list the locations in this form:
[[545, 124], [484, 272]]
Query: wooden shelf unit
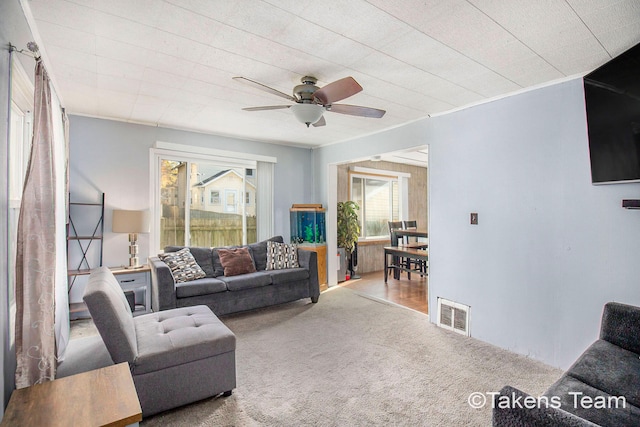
[[84, 240], [96, 230]]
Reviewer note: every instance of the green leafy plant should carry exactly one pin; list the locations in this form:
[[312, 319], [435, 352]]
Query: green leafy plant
[[348, 225]]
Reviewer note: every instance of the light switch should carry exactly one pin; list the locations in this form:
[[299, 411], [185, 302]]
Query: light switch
[[474, 218]]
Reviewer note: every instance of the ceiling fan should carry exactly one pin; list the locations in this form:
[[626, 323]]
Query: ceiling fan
[[311, 101]]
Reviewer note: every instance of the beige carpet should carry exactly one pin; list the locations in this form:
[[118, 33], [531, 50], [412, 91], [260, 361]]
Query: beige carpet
[[353, 361]]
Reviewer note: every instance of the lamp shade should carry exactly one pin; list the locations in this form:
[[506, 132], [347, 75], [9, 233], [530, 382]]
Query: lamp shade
[[130, 221], [307, 113]]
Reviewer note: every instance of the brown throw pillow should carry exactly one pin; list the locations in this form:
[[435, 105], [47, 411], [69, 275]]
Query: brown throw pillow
[[236, 261]]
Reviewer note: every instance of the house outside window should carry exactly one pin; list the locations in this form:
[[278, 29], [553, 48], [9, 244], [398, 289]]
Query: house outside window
[[221, 219]]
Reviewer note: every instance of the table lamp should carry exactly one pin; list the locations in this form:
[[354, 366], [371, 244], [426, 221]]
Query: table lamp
[[132, 222]]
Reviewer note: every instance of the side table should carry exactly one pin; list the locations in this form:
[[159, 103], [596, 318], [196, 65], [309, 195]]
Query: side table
[[103, 397], [137, 280]]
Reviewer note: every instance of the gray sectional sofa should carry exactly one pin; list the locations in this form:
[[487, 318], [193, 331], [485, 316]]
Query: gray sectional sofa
[[225, 295], [601, 388]]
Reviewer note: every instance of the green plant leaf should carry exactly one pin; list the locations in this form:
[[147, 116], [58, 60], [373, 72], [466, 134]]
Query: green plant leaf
[[348, 225]]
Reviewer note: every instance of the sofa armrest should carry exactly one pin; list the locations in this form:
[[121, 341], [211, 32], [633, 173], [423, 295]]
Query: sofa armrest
[[309, 260], [508, 413], [621, 326], [163, 285]]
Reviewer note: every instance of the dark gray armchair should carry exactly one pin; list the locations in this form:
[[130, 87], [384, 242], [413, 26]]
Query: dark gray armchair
[[601, 388]]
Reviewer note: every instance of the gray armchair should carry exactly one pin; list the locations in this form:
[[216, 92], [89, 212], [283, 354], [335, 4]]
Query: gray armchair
[[607, 375], [176, 356]]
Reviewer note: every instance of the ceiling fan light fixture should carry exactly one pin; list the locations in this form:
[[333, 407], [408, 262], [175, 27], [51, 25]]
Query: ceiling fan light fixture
[[310, 102], [307, 113]]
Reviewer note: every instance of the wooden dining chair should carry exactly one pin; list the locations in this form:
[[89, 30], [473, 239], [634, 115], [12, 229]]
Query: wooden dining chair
[[396, 225], [409, 225], [413, 225]]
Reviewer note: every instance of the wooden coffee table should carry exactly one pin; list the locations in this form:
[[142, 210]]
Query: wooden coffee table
[[103, 397]]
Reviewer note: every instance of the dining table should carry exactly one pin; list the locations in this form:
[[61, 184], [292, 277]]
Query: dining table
[[398, 245], [396, 234], [399, 253]]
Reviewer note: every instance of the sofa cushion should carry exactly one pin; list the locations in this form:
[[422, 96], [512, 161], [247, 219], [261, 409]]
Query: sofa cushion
[[247, 281], [205, 286], [527, 415], [281, 255], [236, 261], [611, 369], [179, 336], [288, 275], [183, 265], [259, 252], [203, 256], [580, 399], [620, 326]]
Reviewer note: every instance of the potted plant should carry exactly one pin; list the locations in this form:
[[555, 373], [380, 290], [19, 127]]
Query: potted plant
[[348, 227]]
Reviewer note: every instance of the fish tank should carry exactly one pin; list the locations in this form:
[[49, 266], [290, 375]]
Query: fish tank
[[307, 224]]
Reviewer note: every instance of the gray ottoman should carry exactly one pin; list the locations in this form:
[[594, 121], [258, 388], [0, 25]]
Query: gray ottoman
[[176, 356]]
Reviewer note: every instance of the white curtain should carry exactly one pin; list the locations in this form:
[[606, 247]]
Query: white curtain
[[264, 200]]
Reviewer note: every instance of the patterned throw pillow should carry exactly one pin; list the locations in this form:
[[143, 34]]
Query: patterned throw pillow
[[282, 255], [183, 265]]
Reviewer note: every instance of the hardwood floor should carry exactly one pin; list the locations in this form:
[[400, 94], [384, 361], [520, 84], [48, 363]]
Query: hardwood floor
[[409, 293]]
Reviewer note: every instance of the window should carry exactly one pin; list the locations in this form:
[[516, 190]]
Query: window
[[214, 197], [381, 196], [248, 198], [184, 175], [20, 134], [222, 222]]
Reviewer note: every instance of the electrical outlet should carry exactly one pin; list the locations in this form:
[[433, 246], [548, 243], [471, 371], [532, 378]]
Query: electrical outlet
[[474, 218]]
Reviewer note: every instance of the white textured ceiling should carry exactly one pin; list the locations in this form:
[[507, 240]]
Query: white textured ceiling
[[171, 62]]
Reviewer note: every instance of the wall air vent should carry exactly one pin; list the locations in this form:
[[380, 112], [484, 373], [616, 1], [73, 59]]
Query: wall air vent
[[453, 316]]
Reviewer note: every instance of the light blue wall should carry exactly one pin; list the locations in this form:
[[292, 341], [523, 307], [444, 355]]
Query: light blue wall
[[550, 248], [113, 157]]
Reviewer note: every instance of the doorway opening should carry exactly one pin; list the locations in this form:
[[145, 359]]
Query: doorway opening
[[387, 187]]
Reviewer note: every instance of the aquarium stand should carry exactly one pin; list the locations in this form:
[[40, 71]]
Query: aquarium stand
[[307, 226]]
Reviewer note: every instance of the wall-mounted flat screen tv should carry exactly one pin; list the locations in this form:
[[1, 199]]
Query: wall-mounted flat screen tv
[[612, 97]]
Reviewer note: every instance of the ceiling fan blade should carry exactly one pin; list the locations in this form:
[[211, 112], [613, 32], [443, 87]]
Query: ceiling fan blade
[[265, 88], [338, 90], [356, 110], [321, 122], [268, 107]]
